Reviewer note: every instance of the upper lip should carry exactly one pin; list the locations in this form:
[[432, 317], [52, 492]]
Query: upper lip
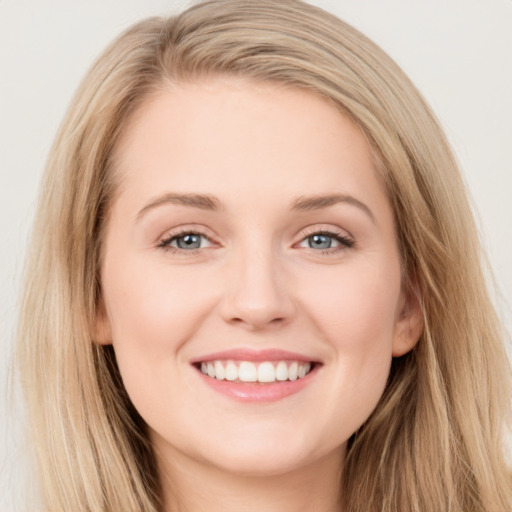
[[245, 354]]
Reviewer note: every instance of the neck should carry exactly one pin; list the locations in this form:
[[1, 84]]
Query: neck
[[190, 485]]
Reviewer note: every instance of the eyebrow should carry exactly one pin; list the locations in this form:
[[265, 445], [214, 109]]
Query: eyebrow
[[203, 202], [308, 203], [212, 203]]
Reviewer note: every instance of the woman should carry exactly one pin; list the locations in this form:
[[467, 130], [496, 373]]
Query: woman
[[262, 285]]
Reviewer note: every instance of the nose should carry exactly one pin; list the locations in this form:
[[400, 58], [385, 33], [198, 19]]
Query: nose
[[258, 294]]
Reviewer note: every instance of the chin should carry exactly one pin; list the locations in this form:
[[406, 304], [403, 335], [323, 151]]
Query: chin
[[265, 455], [259, 464]]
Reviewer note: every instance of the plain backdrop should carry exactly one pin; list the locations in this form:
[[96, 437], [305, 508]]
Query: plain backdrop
[[458, 53]]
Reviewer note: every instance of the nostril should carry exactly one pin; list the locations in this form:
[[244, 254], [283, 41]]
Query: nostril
[[257, 302], [257, 320]]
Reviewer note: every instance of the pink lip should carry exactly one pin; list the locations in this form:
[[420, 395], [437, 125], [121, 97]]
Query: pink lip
[[253, 391], [243, 354], [256, 392]]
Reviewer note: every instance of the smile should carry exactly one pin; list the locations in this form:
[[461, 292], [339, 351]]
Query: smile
[[256, 375], [262, 372]]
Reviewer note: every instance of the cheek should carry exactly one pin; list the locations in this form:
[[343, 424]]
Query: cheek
[[153, 311], [357, 308], [356, 315], [141, 298]]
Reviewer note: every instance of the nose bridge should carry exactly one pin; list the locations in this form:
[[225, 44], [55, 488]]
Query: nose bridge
[[257, 294]]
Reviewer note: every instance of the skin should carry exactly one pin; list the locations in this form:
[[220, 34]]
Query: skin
[[255, 283]]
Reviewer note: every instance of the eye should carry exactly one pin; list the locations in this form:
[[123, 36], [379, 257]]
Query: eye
[[186, 241], [326, 241]]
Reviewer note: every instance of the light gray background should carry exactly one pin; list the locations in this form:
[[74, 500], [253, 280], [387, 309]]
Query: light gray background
[[458, 52]]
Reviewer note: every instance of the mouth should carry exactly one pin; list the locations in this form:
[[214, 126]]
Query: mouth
[[256, 376], [264, 372]]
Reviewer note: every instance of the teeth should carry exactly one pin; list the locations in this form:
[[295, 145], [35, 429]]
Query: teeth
[[266, 372], [281, 371], [247, 371], [220, 372], [231, 371], [292, 371]]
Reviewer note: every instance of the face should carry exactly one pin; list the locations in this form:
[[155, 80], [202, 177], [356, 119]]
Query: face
[[251, 277]]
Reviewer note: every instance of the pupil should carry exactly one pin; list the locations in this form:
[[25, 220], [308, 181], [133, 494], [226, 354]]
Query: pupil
[[321, 241], [189, 242]]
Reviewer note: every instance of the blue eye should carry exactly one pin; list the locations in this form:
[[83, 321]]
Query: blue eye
[[320, 241], [187, 241], [190, 241], [325, 240]]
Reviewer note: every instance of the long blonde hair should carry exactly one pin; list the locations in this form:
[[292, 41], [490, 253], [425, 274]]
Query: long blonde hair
[[435, 440]]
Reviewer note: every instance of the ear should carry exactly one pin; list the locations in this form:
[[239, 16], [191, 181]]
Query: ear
[[102, 333], [409, 323]]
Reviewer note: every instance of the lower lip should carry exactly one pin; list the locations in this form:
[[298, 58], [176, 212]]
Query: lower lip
[[256, 392]]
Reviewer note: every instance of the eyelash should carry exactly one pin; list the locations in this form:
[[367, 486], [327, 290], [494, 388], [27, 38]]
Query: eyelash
[[165, 243], [344, 241]]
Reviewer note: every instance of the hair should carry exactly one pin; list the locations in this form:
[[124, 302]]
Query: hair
[[435, 440]]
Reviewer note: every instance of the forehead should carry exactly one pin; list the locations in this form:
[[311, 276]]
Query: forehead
[[236, 139]]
